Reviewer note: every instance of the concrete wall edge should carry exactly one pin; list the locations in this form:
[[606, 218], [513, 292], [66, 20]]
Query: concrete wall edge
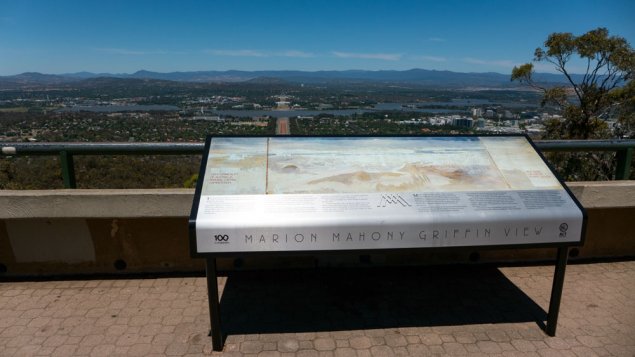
[[147, 203]]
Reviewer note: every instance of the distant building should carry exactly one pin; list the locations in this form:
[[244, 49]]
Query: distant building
[[215, 118], [463, 122], [477, 112]]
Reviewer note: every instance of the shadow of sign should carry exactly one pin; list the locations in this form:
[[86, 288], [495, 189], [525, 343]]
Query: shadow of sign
[[352, 299]]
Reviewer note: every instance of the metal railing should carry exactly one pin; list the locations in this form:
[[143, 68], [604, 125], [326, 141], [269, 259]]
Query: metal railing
[[66, 151]]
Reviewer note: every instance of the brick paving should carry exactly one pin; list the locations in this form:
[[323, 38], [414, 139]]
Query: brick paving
[[464, 310]]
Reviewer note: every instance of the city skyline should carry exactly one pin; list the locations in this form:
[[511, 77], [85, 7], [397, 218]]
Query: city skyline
[[124, 37]]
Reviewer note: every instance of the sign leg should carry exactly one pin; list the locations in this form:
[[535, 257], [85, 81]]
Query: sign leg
[[556, 291], [214, 304]]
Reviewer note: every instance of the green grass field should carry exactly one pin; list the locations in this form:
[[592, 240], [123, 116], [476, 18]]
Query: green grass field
[[14, 110]]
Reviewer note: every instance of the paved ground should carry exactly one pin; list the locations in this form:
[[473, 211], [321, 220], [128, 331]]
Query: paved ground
[[360, 312]]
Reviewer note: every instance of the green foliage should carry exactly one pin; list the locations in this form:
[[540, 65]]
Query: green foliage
[[30, 173], [191, 182], [523, 73], [585, 166], [575, 126], [158, 171], [610, 62], [626, 111]]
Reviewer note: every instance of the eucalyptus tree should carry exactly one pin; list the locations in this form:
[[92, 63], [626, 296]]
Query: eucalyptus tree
[[591, 95]]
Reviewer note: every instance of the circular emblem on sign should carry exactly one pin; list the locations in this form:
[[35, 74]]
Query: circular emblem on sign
[[563, 230]]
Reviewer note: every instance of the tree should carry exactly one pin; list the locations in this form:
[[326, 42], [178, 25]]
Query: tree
[[626, 111], [589, 97]]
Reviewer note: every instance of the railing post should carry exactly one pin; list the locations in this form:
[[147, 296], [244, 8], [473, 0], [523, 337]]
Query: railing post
[[624, 158], [68, 169]]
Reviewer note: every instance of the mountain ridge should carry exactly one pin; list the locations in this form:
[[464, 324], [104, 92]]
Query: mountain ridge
[[415, 76]]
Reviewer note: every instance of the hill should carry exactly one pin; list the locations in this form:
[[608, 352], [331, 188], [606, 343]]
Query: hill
[[414, 77]]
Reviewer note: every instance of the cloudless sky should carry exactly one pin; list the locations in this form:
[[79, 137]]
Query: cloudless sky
[[61, 36]]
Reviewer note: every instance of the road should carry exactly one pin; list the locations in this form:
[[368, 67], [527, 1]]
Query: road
[[282, 126]]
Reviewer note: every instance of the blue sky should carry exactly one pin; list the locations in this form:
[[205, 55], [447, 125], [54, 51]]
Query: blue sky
[[125, 36]]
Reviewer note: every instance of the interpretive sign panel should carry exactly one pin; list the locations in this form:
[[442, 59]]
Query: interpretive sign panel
[[261, 195], [302, 194]]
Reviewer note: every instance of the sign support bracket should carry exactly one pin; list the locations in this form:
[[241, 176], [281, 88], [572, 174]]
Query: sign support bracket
[[214, 304], [556, 291]]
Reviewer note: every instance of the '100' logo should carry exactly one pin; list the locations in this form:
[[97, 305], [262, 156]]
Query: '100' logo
[[221, 238]]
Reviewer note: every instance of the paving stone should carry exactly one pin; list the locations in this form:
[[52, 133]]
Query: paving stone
[[176, 349], [430, 339], [395, 340], [464, 337], [54, 341], [550, 353], [324, 344], [557, 343], [288, 345], [454, 349], [162, 339], [489, 347], [519, 354], [437, 350], [377, 340], [382, 351], [306, 345], [413, 339], [269, 354], [326, 354], [269, 346], [418, 349], [589, 341], [102, 351], [140, 349], [127, 339], [341, 335], [27, 350], [618, 350], [91, 340], [498, 336], [523, 345], [307, 353], [583, 351], [400, 351], [251, 346], [345, 352]]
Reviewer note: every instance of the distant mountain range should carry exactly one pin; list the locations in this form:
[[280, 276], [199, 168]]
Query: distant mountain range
[[418, 77]]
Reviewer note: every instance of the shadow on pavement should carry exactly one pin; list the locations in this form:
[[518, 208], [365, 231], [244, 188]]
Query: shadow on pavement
[[370, 298]]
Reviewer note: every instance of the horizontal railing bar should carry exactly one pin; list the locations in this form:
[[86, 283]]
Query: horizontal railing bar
[[66, 151], [103, 148], [9, 148], [584, 145]]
